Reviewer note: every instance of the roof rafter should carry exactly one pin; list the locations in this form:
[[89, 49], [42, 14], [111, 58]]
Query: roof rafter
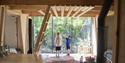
[[69, 12], [41, 12], [62, 11], [80, 8], [31, 7], [55, 11], [85, 11]]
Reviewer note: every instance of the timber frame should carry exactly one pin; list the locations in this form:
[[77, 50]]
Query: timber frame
[[51, 2], [63, 3], [42, 29]]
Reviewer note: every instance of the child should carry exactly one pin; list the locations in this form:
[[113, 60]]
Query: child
[[81, 59], [68, 40], [58, 41]]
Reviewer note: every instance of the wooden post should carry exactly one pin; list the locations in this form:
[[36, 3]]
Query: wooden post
[[119, 46], [2, 20], [20, 34], [42, 29], [117, 19], [101, 24], [30, 35]]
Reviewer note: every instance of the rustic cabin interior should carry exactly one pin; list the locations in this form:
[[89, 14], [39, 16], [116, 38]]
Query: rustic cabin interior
[[90, 31]]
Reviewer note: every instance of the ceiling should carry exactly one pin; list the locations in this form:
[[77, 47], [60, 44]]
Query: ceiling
[[59, 8], [52, 2], [58, 11]]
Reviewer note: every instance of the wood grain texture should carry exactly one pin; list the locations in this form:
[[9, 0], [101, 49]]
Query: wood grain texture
[[20, 58], [42, 29]]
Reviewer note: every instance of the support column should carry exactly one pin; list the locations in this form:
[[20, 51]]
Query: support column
[[30, 36], [94, 36], [2, 25], [115, 45], [120, 45], [101, 25]]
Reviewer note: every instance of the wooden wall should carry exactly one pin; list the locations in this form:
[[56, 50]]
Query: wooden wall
[[121, 31]]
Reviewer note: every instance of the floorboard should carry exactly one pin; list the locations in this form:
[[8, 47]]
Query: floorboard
[[20, 58]]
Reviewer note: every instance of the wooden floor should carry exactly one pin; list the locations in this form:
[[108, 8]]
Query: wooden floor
[[20, 59]]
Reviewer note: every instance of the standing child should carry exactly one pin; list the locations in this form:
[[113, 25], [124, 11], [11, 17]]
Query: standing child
[[58, 42], [68, 40], [81, 59]]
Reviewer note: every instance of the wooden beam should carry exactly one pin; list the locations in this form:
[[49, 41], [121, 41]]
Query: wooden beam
[[62, 10], [117, 20], [55, 11], [30, 35], [76, 8], [77, 12], [42, 29], [51, 2], [101, 29], [21, 37], [2, 25], [69, 12], [67, 8], [41, 12], [58, 8], [85, 11], [25, 7], [87, 14], [32, 12], [36, 13]]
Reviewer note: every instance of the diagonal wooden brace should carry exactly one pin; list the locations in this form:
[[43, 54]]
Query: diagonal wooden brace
[[42, 29]]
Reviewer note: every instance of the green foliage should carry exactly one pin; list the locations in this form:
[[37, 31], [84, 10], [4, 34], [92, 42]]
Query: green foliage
[[62, 25], [37, 20]]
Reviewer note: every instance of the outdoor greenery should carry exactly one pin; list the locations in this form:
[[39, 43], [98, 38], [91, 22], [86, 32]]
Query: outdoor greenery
[[80, 29]]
